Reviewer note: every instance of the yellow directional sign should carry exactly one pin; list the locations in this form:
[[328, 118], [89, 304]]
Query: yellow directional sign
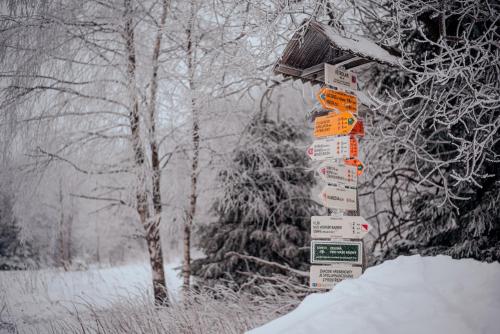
[[333, 99], [334, 124]]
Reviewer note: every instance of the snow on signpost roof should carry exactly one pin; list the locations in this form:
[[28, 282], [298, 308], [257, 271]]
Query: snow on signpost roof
[[316, 44]]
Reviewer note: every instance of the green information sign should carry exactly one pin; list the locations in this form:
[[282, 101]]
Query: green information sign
[[336, 251]]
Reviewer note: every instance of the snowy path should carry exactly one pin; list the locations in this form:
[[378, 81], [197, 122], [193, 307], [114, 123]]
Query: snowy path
[[407, 295], [29, 297]]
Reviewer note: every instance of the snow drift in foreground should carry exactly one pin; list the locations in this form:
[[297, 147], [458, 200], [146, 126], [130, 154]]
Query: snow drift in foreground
[[406, 295]]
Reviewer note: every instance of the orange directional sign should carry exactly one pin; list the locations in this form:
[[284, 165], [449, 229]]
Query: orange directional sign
[[359, 129], [334, 124], [355, 162], [333, 99]]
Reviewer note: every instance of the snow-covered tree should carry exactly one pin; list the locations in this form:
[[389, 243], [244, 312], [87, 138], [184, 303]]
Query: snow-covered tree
[[263, 211], [435, 175]]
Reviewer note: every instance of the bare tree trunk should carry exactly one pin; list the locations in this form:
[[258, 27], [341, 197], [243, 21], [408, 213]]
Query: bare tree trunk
[[195, 128], [152, 230], [155, 160], [64, 238]]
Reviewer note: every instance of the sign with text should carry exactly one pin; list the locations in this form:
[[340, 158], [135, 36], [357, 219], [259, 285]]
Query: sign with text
[[345, 227], [338, 173], [337, 76], [334, 124], [339, 197], [326, 277], [343, 147], [332, 99], [336, 251]]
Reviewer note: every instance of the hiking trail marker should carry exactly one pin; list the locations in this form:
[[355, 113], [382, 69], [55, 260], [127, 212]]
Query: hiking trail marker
[[345, 227], [334, 124], [339, 197], [333, 99], [326, 277], [338, 77], [332, 171], [328, 252], [343, 147], [356, 163]]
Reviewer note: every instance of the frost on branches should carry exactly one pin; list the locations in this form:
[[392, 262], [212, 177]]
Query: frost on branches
[[263, 213], [437, 132]]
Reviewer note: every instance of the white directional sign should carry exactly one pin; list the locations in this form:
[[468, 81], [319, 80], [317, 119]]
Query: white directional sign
[[346, 227], [339, 197], [338, 77], [338, 173], [326, 277], [336, 252], [330, 148]]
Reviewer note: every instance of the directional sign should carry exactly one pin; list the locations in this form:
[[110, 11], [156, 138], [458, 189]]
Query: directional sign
[[359, 129], [338, 173], [327, 276], [345, 227], [334, 124], [339, 197], [338, 77], [355, 162], [343, 147], [333, 99], [336, 251]]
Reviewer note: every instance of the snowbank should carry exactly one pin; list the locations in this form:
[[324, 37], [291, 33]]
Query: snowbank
[[407, 295]]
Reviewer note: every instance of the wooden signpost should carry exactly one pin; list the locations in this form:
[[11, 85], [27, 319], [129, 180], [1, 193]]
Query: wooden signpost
[[337, 240]]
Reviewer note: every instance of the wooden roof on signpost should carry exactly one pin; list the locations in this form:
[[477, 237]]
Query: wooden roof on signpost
[[317, 43]]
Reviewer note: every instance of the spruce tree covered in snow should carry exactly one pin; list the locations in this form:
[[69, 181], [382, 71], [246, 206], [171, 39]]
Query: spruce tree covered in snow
[[440, 143], [263, 211]]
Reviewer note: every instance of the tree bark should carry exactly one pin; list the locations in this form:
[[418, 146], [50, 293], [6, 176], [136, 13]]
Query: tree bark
[[195, 137], [151, 226]]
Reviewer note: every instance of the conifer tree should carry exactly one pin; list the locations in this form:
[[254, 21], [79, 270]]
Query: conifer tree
[[263, 211]]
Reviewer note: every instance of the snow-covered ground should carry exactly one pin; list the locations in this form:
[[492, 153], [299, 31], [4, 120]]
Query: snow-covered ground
[[29, 297], [407, 295]]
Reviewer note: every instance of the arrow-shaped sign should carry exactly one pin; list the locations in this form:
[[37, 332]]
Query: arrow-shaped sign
[[334, 99], [334, 124], [343, 147], [345, 227], [355, 162], [327, 276], [338, 173], [359, 129], [339, 197]]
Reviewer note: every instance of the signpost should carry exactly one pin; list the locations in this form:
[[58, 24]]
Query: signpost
[[343, 147], [339, 197], [333, 99], [339, 173], [336, 252], [326, 277], [338, 77], [334, 124], [345, 227]]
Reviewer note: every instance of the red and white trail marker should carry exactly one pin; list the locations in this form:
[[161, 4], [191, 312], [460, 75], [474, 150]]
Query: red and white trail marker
[[343, 147], [339, 197], [337, 172], [345, 227]]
